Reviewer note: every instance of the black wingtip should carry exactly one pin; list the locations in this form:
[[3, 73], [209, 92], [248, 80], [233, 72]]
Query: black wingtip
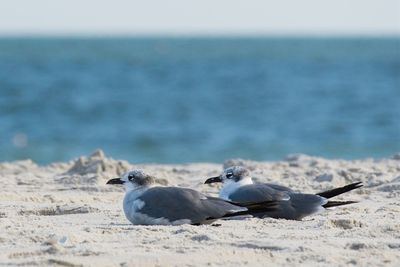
[[331, 204], [340, 190], [255, 207]]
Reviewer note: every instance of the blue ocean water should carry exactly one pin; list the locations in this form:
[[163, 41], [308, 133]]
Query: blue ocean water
[[169, 100]]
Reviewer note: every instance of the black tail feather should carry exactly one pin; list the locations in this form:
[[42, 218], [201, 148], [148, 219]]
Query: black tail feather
[[338, 203], [255, 205], [252, 208], [340, 190]]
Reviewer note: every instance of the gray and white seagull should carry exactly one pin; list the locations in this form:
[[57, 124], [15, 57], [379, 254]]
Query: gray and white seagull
[[238, 186], [147, 204]]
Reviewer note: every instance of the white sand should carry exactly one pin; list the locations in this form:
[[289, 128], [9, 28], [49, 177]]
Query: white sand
[[64, 214]]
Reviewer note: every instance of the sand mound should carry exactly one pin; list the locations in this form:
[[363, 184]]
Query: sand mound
[[64, 214]]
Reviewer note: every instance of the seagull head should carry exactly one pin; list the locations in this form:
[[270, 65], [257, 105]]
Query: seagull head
[[235, 174], [133, 179]]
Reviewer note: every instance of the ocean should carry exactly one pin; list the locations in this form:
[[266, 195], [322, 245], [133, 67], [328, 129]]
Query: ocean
[[177, 100]]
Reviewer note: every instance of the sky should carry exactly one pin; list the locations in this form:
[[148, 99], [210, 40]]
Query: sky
[[193, 17]]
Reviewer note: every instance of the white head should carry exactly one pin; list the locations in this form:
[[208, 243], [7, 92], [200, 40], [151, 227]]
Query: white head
[[236, 174], [133, 180], [232, 178]]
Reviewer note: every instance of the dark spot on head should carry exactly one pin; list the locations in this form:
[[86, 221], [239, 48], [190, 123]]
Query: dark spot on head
[[236, 173], [145, 180], [139, 178]]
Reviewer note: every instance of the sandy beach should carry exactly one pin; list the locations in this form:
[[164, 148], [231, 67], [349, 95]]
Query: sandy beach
[[64, 214]]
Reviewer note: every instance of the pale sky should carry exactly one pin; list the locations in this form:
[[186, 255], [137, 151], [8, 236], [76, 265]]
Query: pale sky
[[191, 17]]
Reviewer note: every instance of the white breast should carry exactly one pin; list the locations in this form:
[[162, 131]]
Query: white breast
[[231, 186], [132, 204]]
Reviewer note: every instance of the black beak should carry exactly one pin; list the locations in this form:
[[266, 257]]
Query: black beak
[[215, 179], [115, 181]]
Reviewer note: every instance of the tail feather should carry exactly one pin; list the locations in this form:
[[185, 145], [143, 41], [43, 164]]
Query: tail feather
[[331, 204], [340, 190]]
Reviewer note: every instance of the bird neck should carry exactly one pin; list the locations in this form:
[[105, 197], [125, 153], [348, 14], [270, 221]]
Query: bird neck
[[134, 193], [231, 186], [135, 190]]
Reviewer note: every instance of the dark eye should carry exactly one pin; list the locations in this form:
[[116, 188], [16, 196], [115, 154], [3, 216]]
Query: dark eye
[[229, 175], [131, 177]]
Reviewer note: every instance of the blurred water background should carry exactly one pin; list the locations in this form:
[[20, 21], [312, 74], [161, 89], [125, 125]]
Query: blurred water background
[[173, 100]]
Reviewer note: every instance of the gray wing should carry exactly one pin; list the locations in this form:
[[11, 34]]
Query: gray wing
[[299, 206], [279, 187], [257, 193], [174, 203], [291, 206]]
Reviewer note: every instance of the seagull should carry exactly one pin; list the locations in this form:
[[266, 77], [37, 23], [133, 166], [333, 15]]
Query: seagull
[[148, 204], [238, 186]]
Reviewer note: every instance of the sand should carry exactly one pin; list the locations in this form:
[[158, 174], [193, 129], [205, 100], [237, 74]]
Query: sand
[[64, 214]]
